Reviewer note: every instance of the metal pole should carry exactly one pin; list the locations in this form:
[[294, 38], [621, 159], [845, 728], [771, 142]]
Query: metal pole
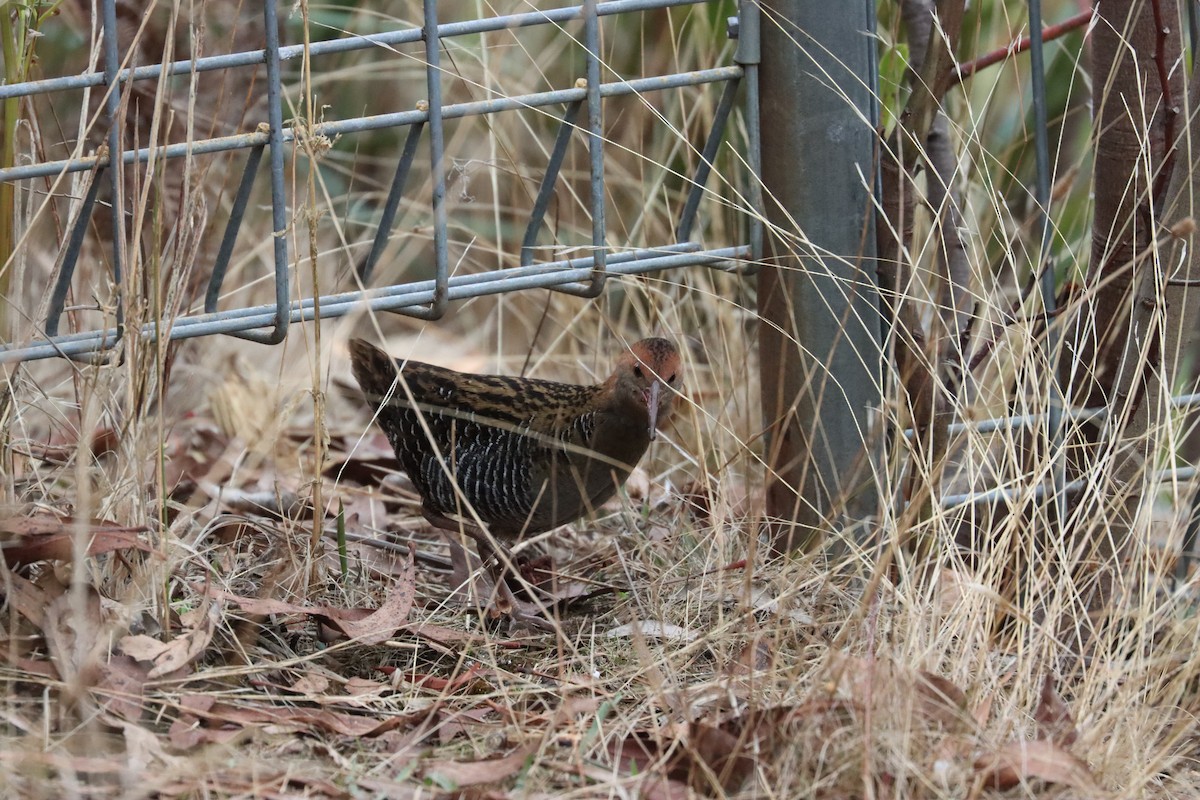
[[820, 326], [1041, 140]]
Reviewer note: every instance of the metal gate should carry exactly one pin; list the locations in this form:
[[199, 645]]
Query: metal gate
[[578, 106]]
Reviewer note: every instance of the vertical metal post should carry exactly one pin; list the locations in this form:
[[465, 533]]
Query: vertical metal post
[[595, 110], [1054, 404], [591, 27], [437, 155], [749, 56], [116, 171], [819, 339], [279, 211]]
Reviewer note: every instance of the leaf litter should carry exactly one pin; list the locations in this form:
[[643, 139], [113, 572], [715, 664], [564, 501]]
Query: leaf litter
[[443, 703], [676, 677]]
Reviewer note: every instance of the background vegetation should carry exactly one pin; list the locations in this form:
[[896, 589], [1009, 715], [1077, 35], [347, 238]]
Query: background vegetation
[[179, 619]]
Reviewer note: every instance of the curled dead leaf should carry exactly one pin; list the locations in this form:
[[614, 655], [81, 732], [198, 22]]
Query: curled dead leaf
[[756, 656], [708, 758], [29, 599], [893, 686], [457, 774], [653, 629], [1054, 716], [715, 761], [176, 654], [204, 719], [28, 540], [74, 635], [366, 626], [310, 683], [1018, 763], [121, 686]]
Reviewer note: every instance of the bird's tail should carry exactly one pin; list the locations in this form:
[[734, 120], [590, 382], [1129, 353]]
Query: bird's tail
[[374, 369]]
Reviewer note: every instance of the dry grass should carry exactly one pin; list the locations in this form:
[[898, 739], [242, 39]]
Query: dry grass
[[205, 648]]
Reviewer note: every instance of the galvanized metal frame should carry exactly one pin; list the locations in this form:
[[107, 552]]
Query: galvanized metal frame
[[425, 299]]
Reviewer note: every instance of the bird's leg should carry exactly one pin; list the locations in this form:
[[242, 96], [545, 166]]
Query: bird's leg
[[457, 553], [462, 565], [506, 602], [496, 566]]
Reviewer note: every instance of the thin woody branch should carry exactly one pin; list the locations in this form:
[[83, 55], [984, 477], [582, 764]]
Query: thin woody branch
[[961, 72]]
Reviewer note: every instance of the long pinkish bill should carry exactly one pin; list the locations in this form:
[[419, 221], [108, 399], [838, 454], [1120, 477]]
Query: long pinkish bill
[[652, 407]]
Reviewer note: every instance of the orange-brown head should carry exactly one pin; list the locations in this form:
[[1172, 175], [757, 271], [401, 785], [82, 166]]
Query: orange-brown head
[[646, 379]]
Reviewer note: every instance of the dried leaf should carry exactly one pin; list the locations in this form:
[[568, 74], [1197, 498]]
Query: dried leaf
[[104, 441], [185, 649], [472, 680], [310, 684], [383, 623], [697, 500], [274, 503], [1020, 762], [28, 540], [636, 752], [187, 733], [73, 635], [449, 637], [60, 762], [122, 685], [362, 687], [891, 685], [203, 719], [653, 629], [712, 754], [650, 787], [941, 699], [196, 451], [366, 626], [40, 525], [466, 721], [29, 599], [1053, 716], [362, 510], [141, 647], [334, 617], [363, 460], [457, 774], [176, 654], [32, 666], [393, 790], [756, 656], [708, 758], [656, 788], [144, 750]]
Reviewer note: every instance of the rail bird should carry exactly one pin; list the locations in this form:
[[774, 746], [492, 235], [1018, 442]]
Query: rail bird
[[520, 455]]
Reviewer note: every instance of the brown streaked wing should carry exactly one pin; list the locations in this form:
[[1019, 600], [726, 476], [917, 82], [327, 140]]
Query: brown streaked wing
[[545, 407]]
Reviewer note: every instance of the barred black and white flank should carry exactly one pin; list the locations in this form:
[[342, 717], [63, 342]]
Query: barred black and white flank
[[525, 455]]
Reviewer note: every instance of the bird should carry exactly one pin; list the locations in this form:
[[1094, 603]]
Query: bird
[[520, 455]]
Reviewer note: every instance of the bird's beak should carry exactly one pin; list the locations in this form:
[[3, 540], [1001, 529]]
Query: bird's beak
[[652, 407]]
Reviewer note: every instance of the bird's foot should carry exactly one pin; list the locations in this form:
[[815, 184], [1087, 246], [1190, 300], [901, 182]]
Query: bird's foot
[[520, 612], [489, 583], [530, 621]]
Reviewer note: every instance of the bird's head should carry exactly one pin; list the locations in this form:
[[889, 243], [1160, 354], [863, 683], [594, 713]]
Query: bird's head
[[646, 379]]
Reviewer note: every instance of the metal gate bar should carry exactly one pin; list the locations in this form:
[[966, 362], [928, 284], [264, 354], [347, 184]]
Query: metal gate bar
[[269, 323]]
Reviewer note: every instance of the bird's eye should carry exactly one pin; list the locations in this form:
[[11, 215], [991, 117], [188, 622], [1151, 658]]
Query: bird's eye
[[637, 370], [672, 378]]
